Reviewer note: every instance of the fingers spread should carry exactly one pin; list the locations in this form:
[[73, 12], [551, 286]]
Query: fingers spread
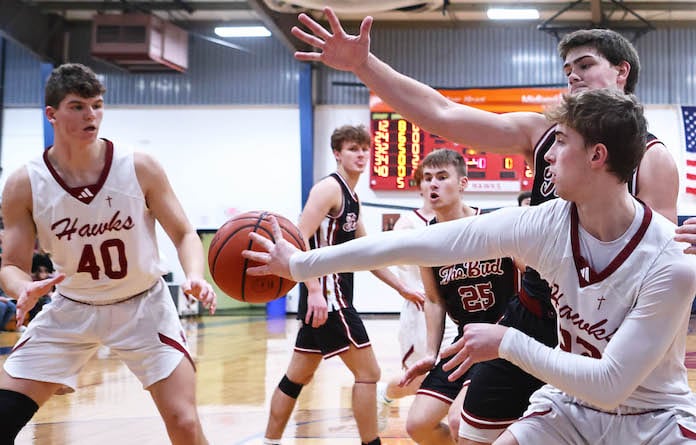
[[260, 257], [258, 270]]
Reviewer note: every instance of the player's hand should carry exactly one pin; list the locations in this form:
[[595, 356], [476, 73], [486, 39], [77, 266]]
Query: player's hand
[[317, 309], [32, 292], [479, 343], [414, 296], [339, 50], [421, 367], [686, 233], [202, 291], [276, 258]]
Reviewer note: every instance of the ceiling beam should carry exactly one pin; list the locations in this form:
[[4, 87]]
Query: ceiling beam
[[596, 12], [40, 33], [280, 25]]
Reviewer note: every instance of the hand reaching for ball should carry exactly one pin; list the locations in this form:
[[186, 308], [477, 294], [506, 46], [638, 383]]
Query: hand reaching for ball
[[276, 258]]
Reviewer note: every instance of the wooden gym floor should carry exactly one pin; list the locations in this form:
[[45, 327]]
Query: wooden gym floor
[[240, 360]]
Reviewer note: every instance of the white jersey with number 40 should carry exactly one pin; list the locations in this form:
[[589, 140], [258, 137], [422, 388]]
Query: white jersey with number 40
[[102, 236]]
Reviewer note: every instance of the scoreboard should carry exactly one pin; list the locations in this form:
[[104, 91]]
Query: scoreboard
[[399, 145]]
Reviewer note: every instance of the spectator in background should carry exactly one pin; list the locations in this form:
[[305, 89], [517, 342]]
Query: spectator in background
[[41, 268], [524, 198]]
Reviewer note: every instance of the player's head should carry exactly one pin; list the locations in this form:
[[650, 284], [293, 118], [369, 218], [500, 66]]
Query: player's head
[[351, 147], [524, 198], [72, 78], [599, 58], [597, 130], [74, 103], [444, 178]]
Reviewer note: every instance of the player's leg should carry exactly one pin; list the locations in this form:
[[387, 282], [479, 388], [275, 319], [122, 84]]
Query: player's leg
[[504, 439], [175, 398], [300, 371], [424, 423], [363, 364], [19, 400], [454, 414]]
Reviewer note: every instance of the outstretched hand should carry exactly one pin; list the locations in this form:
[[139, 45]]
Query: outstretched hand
[[479, 343], [202, 291], [275, 259], [32, 292], [421, 367], [687, 233], [339, 50]]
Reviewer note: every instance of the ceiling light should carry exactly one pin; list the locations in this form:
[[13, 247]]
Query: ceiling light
[[512, 14], [242, 31]]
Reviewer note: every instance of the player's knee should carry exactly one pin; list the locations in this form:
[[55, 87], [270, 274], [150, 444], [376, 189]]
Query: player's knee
[[368, 375], [418, 429], [183, 423], [290, 388], [16, 409], [453, 419]]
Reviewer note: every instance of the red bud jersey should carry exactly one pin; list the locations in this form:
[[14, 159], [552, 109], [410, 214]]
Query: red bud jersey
[[102, 236]]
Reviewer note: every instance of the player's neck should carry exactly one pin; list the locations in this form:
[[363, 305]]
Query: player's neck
[[456, 211], [351, 178], [607, 216], [78, 164]]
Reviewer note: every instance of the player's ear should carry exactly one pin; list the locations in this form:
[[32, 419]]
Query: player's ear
[[623, 70], [463, 183], [599, 154], [50, 113]]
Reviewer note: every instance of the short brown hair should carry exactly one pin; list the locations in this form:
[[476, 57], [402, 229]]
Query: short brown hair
[[610, 44], [71, 78], [608, 117], [349, 133], [443, 157]]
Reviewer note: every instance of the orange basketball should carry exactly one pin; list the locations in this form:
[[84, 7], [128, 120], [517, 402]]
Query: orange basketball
[[228, 266]]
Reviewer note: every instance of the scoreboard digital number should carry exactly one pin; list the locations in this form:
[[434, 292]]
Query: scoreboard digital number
[[399, 146]]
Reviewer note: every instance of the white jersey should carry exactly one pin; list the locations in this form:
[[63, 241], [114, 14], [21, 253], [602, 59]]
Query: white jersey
[[625, 325], [101, 236]]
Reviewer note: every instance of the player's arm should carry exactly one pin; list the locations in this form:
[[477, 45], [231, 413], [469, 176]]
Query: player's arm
[[435, 314], [658, 181], [417, 102], [325, 198], [633, 352], [166, 208], [415, 296], [18, 246]]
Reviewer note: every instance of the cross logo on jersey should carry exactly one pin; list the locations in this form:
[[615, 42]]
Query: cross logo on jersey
[[108, 199]]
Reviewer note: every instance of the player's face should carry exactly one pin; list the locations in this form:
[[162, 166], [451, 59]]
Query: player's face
[[353, 156], [586, 69], [77, 119], [442, 187], [569, 161]]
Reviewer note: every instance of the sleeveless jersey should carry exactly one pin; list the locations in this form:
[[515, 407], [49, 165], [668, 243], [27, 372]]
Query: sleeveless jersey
[[102, 236], [476, 291], [535, 292], [337, 287]]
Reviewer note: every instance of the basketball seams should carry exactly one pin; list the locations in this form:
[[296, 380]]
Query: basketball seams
[[226, 248]]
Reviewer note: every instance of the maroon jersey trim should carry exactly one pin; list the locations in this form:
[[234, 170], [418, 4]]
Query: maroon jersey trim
[[621, 257], [84, 193]]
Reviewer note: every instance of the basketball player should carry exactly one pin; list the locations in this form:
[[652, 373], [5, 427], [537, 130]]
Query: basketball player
[[591, 59], [466, 292], [330, 324], [93, 206], [412, 329], [622, 287]]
